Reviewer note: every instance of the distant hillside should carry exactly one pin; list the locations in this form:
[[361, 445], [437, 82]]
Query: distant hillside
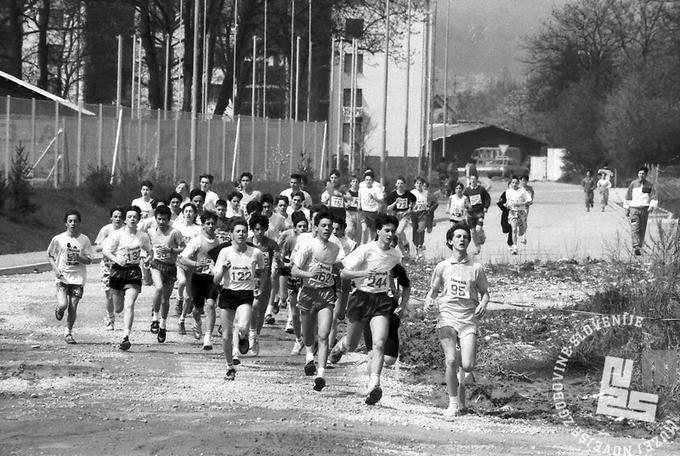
[[485, 36]]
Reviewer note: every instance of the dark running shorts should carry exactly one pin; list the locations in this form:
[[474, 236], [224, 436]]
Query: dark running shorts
[[370, 218], [475, 218], [73, 291], [123, 277], [202, 288], [293, 285], [232, 299], [363, 306], [168, 271], [316, 299], [392, 342]]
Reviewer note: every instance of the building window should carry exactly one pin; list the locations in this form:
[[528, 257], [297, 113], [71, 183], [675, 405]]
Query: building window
[[348, 63], [358, 131], [347, 98]]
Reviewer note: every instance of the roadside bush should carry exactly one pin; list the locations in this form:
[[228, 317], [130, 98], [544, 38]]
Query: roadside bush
[[97, 184], [19, 189]]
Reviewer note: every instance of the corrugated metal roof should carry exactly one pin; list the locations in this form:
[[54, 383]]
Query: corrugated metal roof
[[45, 94], [439, 132]]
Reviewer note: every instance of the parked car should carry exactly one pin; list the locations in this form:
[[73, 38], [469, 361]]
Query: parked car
[[502, 167]]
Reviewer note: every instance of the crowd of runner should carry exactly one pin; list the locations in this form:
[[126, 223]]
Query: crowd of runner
[[246, 255]]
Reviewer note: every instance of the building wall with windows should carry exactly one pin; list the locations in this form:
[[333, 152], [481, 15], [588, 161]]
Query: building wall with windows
[[369, 101]]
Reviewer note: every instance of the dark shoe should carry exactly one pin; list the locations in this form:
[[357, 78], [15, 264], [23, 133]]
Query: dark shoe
[[59, 313], [636, 250], [155, 326], [70, 340], [336, 355], [243, 345], [125, 344], [374, 396], [269, 319], [182, 328], [310, 368], [231, 374], [275, 307], [235, 360], [319, 383], [161, 335]]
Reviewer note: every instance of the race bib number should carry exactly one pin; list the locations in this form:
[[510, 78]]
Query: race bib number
[[159, 254], [133, 255], [377, 282], [323, 276], [72, 252], [402, 204], [458, 289], [241, 274], [420, 206], [457, 211], [475, 200], [337, 201]]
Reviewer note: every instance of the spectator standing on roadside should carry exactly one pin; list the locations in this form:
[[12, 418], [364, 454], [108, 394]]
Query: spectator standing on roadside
[[640, 200], [603, 186], [295, 186], [589, 184]]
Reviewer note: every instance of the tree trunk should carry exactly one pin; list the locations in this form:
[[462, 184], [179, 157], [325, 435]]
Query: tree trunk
[[43, 23], [154, 83]]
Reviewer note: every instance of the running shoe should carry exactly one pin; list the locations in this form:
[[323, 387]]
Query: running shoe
[[637, 252], [198, 330], [289, 328], [310, 368], [269, 319], [155, 326], [319, 383], [336, 355], [452, 411], [231, 374], [254, 347], [109, 325], [297, 348], [59, 313], [275, 307], [243, 345], [161, 335], [373, 396], [207, 342], [125, 344], [69, 339], [182, 328], [235, 359]]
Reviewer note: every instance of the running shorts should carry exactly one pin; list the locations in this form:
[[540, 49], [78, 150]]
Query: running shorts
[[370, 219], [392, 341], [475, 218], [123, 277], [461, 328], [363, 306], [72, 291], [202, 287], [293, 285], [316, 299], [232, 299], [168, 271]]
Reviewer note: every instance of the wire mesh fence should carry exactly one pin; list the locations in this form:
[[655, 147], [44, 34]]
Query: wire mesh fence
[[62, 144]]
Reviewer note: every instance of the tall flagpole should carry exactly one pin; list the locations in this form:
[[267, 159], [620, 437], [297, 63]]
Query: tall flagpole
[[119, 74], [408, 83], [139, 79], [234, 85], [292, 58], [309, 60], [181, 38], [383, 148], [353, 106], [297, 78], [166, 89], [252, 107], [194, 94], [341, 115], [330, 94], [264, 68], [425, 67], [446, 79], [430, 87]]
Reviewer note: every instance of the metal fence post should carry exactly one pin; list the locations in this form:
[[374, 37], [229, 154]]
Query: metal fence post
[[158, 141], [7, 151], [224, 149], [207, 147], [56, 144], [33, 154], [100, 134], [79, 145]]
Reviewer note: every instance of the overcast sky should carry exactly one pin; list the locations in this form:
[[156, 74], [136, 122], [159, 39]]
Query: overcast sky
[[485, 36]]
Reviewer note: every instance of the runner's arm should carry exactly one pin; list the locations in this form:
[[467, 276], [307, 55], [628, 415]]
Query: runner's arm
[[52, 256]]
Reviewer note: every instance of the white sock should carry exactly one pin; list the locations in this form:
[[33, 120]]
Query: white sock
[[309, 355], [163, 323], [126, 333], [373, 381], [154, 316], [320, 371]]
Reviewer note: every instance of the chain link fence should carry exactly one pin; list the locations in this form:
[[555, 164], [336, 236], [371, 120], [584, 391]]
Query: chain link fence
[[63, 144]]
